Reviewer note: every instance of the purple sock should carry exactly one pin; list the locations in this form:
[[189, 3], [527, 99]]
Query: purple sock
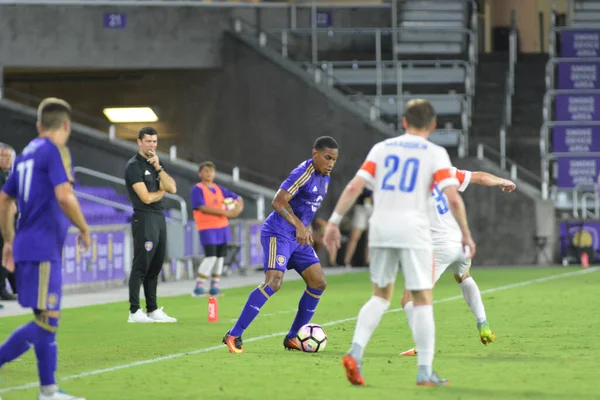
[[20, 341], [46, 351], [256, 300], [306, 309]]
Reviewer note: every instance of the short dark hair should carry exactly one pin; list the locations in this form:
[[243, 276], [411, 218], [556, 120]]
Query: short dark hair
[[419, 114], [53, 112], [146, 130], [207, 164], [325, 142]]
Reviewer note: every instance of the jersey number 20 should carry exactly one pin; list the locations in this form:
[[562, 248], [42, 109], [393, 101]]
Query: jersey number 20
[[408, 173]]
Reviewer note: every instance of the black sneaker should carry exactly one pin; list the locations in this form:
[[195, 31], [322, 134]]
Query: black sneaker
[[6, 296]]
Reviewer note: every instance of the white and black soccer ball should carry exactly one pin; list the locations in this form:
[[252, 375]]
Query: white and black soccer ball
[[312, 338]]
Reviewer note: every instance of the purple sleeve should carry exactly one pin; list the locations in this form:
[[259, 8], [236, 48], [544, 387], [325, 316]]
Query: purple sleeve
[[228, 193], [59, 166], [297, 178], [197, 197], [10, 187]]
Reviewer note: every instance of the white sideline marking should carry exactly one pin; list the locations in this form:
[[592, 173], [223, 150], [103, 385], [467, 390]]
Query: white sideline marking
[[254, 339]]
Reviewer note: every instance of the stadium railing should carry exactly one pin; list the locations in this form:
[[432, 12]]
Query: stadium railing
[[572, 190], [345, 75]]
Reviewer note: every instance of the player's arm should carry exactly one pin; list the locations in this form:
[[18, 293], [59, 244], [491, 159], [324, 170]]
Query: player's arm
[[199, 204], [281, 204], [167, 183], [449, 186], [487, 179], [351, 192], [146, 196], [61, 177], [70, 205], [7, 217]]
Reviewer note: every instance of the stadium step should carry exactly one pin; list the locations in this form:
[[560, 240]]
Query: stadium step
[[489, 95]]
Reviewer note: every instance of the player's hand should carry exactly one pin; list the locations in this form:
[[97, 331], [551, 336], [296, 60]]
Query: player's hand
[[8, 260], [153, 160], [508, 186], [230, 213], [84, 240], [303, 236], [332, 237], [469, 247]]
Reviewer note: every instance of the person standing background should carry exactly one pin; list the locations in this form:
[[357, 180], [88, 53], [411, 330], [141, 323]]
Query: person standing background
[[6, 155], [212, 220], [147, 183], [360, 222]]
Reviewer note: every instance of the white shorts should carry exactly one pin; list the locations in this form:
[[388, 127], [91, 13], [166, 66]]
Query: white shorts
[[452, 257], [417, 266], [360, 218]]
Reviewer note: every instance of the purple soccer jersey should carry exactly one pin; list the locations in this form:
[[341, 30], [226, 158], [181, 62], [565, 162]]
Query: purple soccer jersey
[[278, 237], [42, 226]]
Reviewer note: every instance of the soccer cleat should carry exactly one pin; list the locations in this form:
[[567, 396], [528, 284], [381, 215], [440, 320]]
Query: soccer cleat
[[233, 343], [139, 317], [292, 344], [59, 395], [160, 316], [199, 290], [214, 291], [485, 333], [431, 380], [353, 373], [409, 353]]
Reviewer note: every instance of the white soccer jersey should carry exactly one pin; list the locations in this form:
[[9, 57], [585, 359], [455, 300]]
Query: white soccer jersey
[[401, 172], [445, 231]]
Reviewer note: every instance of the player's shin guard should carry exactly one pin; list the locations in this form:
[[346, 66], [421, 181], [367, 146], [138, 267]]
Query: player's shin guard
[[424, 336], [21, 339], [306, 309], [368, 319], [46, 351], [218, 269], [256, 300], [472, 296], [206, 266]]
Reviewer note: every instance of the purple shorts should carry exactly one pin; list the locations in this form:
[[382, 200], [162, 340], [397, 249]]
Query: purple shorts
[[282, 253], [215, 236], [39, 284]]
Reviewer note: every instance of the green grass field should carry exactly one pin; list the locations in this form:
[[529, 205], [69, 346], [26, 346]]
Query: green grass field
[[547, 346]]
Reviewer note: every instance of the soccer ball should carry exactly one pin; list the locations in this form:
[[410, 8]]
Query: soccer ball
[[229, 203], [312, 338]]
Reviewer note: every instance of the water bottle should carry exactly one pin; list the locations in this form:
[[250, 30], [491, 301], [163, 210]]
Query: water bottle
[[213, 309]]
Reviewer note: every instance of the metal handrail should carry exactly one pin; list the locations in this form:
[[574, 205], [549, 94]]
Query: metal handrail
[[515, 170], [314, 32], [441, 64], [120, 181], [188, 3], [238, 25], [552, 63]]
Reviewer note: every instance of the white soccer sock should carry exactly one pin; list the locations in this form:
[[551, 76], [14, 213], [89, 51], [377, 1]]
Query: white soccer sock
[[206, 266], [472, 296], [409, 310], [218, 270], [369, 317], [424, 335]]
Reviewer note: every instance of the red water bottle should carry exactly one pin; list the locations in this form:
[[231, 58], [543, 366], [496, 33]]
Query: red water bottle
[[213, 309], [585, 260]]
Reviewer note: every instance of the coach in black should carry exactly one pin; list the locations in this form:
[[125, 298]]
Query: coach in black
[[147, 183]]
